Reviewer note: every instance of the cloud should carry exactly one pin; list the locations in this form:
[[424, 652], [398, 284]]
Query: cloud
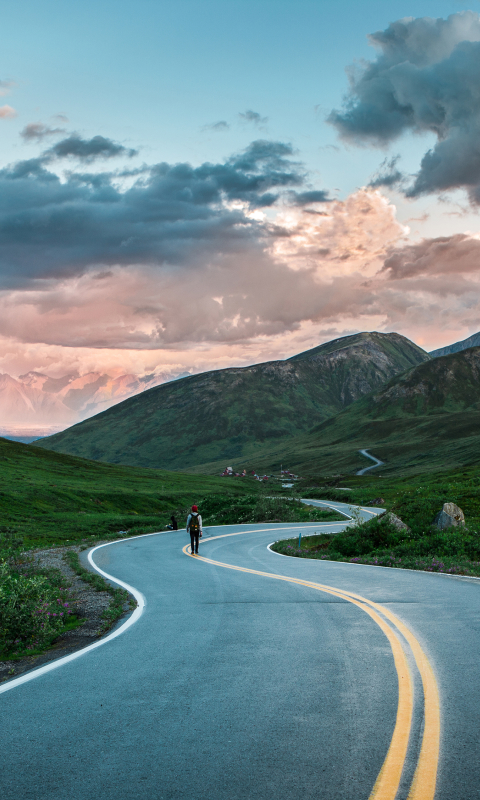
[[88, 150], [7, 112], [6, 87], [196, 263], [36, 131], [313, 196], [233, 289], [217, 126], [445, 255], [173, 214], [387, 174], [275, 279], [254, 117], [425, 79]]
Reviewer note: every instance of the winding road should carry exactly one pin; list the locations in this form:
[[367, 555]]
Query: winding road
[[250, 675], [377, 463]]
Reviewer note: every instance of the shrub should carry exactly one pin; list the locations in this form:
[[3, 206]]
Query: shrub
[[33, 611]]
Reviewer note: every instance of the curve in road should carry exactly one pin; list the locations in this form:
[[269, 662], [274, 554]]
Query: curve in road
[[403, 643], [378, 463], [388, 781]]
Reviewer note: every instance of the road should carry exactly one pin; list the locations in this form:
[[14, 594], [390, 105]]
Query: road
[[378, 463], [248, 676]]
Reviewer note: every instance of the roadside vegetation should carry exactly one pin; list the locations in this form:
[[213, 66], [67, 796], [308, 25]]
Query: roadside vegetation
[[262, 508], [416, 500], [35, 604]]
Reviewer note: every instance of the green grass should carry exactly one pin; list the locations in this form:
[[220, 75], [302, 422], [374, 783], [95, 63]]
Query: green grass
[[49, 498], [35, 606]]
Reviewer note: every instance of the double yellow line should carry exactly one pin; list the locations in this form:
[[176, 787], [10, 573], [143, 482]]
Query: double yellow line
[[386, 785]]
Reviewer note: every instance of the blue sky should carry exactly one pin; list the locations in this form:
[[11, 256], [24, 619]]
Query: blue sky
[[95, 272], [153, 74]]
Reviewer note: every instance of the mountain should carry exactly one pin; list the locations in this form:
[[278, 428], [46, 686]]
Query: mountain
[[230, 413], [35, 404], [472, 341], [426, 418]]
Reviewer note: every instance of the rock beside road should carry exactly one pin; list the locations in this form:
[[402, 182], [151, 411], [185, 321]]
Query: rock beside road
[[397, 523], [450, 516]]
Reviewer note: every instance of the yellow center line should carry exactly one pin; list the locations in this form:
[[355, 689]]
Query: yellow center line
[[424, 780], [386, 785], [388, 779]]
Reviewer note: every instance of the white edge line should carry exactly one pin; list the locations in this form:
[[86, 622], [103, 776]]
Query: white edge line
[[59, 662]]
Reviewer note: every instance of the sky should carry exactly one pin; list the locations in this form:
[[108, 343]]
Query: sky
[[194, 184]]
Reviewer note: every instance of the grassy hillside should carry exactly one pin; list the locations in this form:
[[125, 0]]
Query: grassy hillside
[[428, 418], [50, 498], [232, 413]]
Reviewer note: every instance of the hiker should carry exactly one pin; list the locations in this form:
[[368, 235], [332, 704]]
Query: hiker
[[174, 525], [194, 528]]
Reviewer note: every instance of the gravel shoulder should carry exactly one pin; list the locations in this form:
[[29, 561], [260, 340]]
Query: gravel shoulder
[[89, 605]]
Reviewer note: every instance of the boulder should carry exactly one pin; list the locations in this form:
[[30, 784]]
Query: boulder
[[397, 523], [450, 516]]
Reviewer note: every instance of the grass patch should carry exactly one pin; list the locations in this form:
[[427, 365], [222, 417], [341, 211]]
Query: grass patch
[[415, 499]]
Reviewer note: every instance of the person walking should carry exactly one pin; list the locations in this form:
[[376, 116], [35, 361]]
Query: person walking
[[194, 528]]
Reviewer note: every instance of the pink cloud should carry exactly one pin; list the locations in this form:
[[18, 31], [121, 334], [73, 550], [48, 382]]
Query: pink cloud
[[7, 112], [318, 276]]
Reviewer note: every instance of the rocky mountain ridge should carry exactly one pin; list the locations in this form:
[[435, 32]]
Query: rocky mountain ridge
[[457, 347], [235, 411]]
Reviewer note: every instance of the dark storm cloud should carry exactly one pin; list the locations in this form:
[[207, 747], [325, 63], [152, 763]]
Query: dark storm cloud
[[173, 214], [314, 196], [88, 149], [425, 79], [388, 174]]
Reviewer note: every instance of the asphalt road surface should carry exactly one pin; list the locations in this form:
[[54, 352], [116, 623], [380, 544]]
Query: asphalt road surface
[[377, 463], [248, 676]]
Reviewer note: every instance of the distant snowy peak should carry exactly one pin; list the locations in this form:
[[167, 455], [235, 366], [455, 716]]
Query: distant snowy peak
[[38, 402]]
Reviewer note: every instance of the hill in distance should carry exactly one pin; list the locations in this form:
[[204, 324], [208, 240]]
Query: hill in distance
[[465, 344], [427, 418], [232, 413]]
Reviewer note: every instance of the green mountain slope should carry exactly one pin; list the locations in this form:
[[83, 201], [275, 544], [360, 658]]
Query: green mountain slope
[[426, 418], [232, 413]]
